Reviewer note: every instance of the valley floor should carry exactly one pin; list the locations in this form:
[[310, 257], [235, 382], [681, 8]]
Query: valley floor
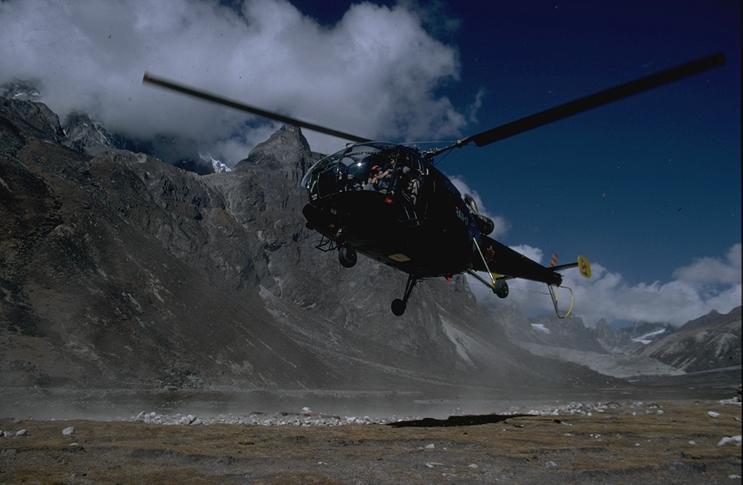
[[679, 441]]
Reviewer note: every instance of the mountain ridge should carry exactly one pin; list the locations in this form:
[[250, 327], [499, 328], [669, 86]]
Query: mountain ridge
[[119, 269], [709, 342]]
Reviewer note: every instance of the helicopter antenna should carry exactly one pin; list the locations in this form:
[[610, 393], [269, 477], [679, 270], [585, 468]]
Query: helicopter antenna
[[231, 103], [586, 103]]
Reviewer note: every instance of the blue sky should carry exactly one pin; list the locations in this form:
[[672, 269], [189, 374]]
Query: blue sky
[[648, 187]]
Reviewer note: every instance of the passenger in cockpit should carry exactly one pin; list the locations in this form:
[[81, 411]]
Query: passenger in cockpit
[[413, 185], [384, 178], [373, 180]]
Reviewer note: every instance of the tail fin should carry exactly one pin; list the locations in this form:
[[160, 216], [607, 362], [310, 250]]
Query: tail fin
[[584, 267]]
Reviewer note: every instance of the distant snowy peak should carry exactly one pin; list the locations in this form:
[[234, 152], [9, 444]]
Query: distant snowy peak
[[540, 327]]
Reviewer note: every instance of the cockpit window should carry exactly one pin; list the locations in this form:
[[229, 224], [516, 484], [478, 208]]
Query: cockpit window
[[368, 166]]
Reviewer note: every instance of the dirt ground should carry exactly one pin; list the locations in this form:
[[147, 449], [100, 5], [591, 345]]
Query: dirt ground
[[662, 442]]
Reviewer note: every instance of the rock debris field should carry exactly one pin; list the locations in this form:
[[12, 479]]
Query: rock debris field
[[682, 441]]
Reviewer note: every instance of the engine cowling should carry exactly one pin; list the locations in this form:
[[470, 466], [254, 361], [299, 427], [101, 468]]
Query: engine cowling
[[484, 224]]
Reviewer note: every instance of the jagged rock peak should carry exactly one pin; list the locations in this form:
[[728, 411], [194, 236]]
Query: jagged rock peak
[[286, 150]]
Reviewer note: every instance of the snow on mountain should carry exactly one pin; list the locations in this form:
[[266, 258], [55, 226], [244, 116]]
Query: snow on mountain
[[630, 339], [219, 166], [21, 91], [647, 339]]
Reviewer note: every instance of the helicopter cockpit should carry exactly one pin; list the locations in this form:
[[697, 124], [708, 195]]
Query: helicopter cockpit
[[375, 167]]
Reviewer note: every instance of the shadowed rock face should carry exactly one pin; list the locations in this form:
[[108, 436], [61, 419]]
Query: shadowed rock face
[[29, 117], [120, 270]]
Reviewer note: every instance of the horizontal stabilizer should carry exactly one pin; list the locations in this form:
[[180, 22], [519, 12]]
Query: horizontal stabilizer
[[583, 265]]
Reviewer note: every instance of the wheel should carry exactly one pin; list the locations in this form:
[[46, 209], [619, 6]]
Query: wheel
[[398, 306], [501, 289], [347, 257]]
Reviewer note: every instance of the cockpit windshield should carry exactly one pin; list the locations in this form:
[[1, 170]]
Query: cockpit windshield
[[367, 166]]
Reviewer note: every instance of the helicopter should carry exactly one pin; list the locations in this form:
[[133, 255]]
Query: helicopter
[[391, 203]]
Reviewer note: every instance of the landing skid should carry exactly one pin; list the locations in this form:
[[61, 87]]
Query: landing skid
[[553, 296]]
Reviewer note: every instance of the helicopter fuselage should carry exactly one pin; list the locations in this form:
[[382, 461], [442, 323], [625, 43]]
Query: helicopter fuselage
[[389, 203]]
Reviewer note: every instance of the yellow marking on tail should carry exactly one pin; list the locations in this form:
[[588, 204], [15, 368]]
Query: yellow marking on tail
[[584, 266]]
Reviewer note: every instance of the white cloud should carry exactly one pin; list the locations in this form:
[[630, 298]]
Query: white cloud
[[375, 73], [530, 252], [501, 224], [475, 106], [236, 148], [705, 285], [713, 270]]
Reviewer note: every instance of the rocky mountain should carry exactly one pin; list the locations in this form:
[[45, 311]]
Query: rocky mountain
[[85, 135], [20, 91], [642, 348], [569, 340], [202, 165], [632, 338], [570, 333], [709, 342], [117, 269]]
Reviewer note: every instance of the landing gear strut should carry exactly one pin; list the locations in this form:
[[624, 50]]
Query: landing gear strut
[[347, 257], [398, 306]]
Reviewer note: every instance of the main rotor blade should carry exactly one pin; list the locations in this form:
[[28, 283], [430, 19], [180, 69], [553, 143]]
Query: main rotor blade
[[164, 83], [594, 100]]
